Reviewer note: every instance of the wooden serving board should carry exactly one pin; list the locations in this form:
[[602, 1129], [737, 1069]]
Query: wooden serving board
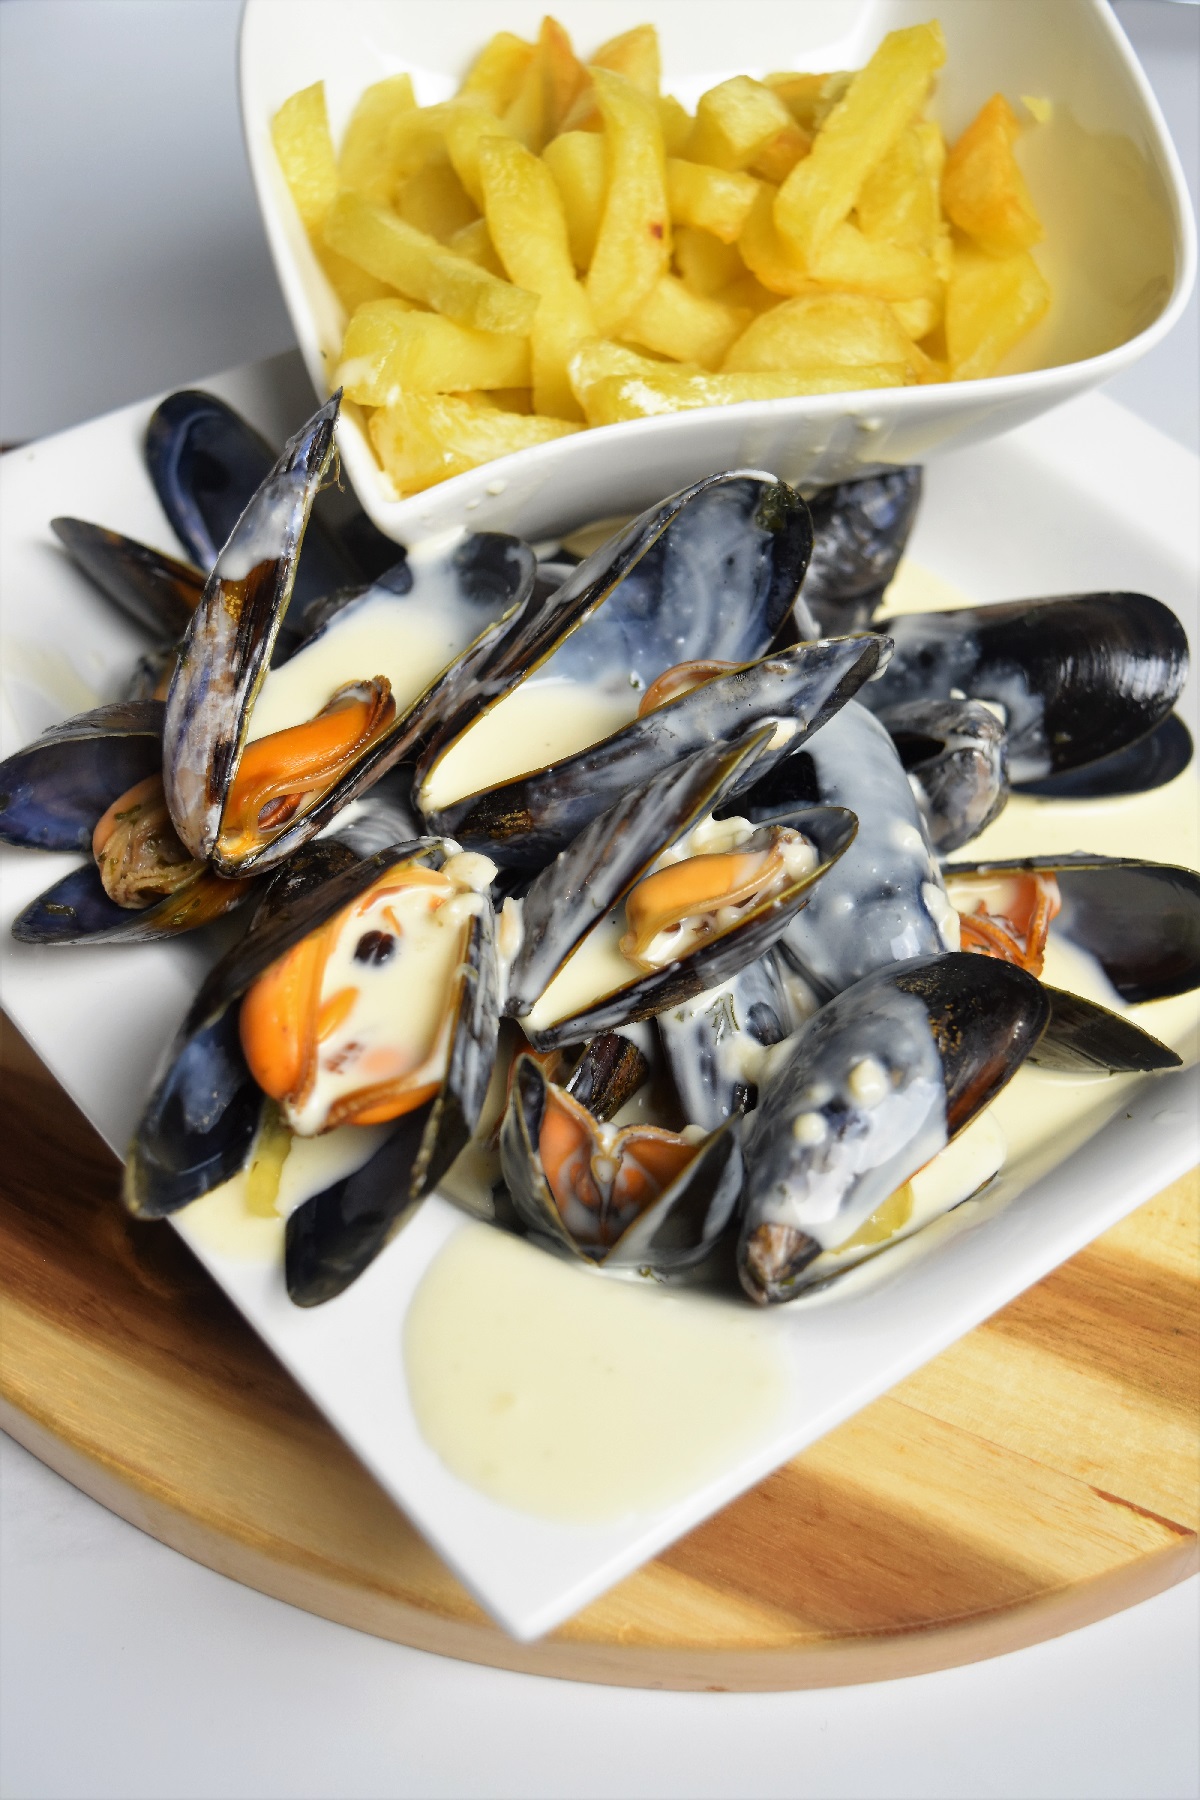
[[1040, 1474]]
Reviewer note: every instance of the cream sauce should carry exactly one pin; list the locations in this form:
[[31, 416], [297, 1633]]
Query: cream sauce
[[538, 723], [563, 1394]]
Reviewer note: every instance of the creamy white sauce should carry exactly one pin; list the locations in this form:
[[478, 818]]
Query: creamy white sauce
[[538, 723], [560, 1393], [264, 531]]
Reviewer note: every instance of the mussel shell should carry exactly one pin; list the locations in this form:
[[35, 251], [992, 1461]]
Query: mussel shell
[[710, 572], [1078, 677], [1082, 1038], [54, 791], [860, 529], [206, 464], [528, 821], [946, 1037], [169, 1164], [225, 652], [674, 1233], [332, 1237], [713, 1042], [77, 910], [954, 752], [610, 1072], [884, 902], [1151, 763], [1140, 920], [157, 592]]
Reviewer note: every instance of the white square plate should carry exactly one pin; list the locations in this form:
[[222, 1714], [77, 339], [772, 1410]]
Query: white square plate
[[1119, 251], [1086, 498]]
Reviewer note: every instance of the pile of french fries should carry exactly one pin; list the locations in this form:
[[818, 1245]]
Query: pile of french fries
[[562, 245]]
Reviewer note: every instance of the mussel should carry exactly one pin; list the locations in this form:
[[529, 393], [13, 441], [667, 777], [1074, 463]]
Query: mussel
[[156, 591], [864, 1094], [955, 755], [860, 529]]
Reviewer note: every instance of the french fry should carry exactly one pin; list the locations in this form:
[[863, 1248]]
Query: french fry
[[434, 200], [364, 160], [765, 254], [900, 199], [547, 89], [424, 438], [527, 225], [880, 101], [390, 348], [425, 270], [633, 247], [705, 264], [600, 359], [983, 189], [714, 199], [474, 242], [300, 134], [496, 73], [578, 161], [991, 303], [615, 398], [818, 330], [635, 54], [776, 160], [862, 265], [735, 121], [685, 326], [809, 98], [464, 127], [676, 122], [917, 318]]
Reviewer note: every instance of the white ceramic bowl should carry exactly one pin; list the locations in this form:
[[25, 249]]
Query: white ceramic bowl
[[1119, 252]]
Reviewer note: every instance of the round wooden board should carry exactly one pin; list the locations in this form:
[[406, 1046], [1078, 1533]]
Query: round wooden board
[[1040, 1474]]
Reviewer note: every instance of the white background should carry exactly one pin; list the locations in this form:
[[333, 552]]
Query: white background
[[131, 260]]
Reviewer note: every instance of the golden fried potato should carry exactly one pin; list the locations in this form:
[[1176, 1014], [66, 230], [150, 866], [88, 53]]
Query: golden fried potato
[[364, 161], [527, 225], [983, 189], [819, 330], [434, 200], [683, 325], [880, 101], [705, 264], [474, 242], [547, 89], [635, 54], [735, 121], [990, 305], [425, 270], [900, 200], [766, 255], [643, 396], [578, 161], [861, 265], [300, 134], [676, 122], [496, 73], [423, 438], [809, 98], [390, 348], [714, 199], [633, 247], [601, 358]]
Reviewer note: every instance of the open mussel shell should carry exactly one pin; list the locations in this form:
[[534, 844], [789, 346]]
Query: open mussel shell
[[954, 753], [224, 655], [199, 1123], [157, 592], [860, 529], [675, 1232], [601, 868], [871, 1088], [1078, 677], [55, 790], [525, 823], [1151, 763], [1140, 920], [1082, 1038], [710, 573], [77, 910], [206, 464], [714, 1043], [884, 901], [332, 1237]]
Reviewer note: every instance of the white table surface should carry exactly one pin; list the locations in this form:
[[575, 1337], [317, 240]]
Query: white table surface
[[131, 260]]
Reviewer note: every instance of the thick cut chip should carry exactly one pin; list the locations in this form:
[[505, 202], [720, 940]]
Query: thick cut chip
[[990, 305], [901, 198], [735, 121], [917, 318], [547, 89], [496, 73], [862, 265], [983, 189], [578, 161], [809, 98], [527, 225], [633, 247], [424, 438], [300, 134], [704, 263], [434, 200], [364, 160], [685, 326], [766, 255], [619, 397], [425, 270], [714, 199], [475, 243], [391, 348], [676, 122], [821, 329], [776, 160], [601, 358], [635, 54], [880, 101]]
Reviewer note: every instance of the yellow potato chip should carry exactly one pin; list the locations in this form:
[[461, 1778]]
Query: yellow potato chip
[[633, 247]]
